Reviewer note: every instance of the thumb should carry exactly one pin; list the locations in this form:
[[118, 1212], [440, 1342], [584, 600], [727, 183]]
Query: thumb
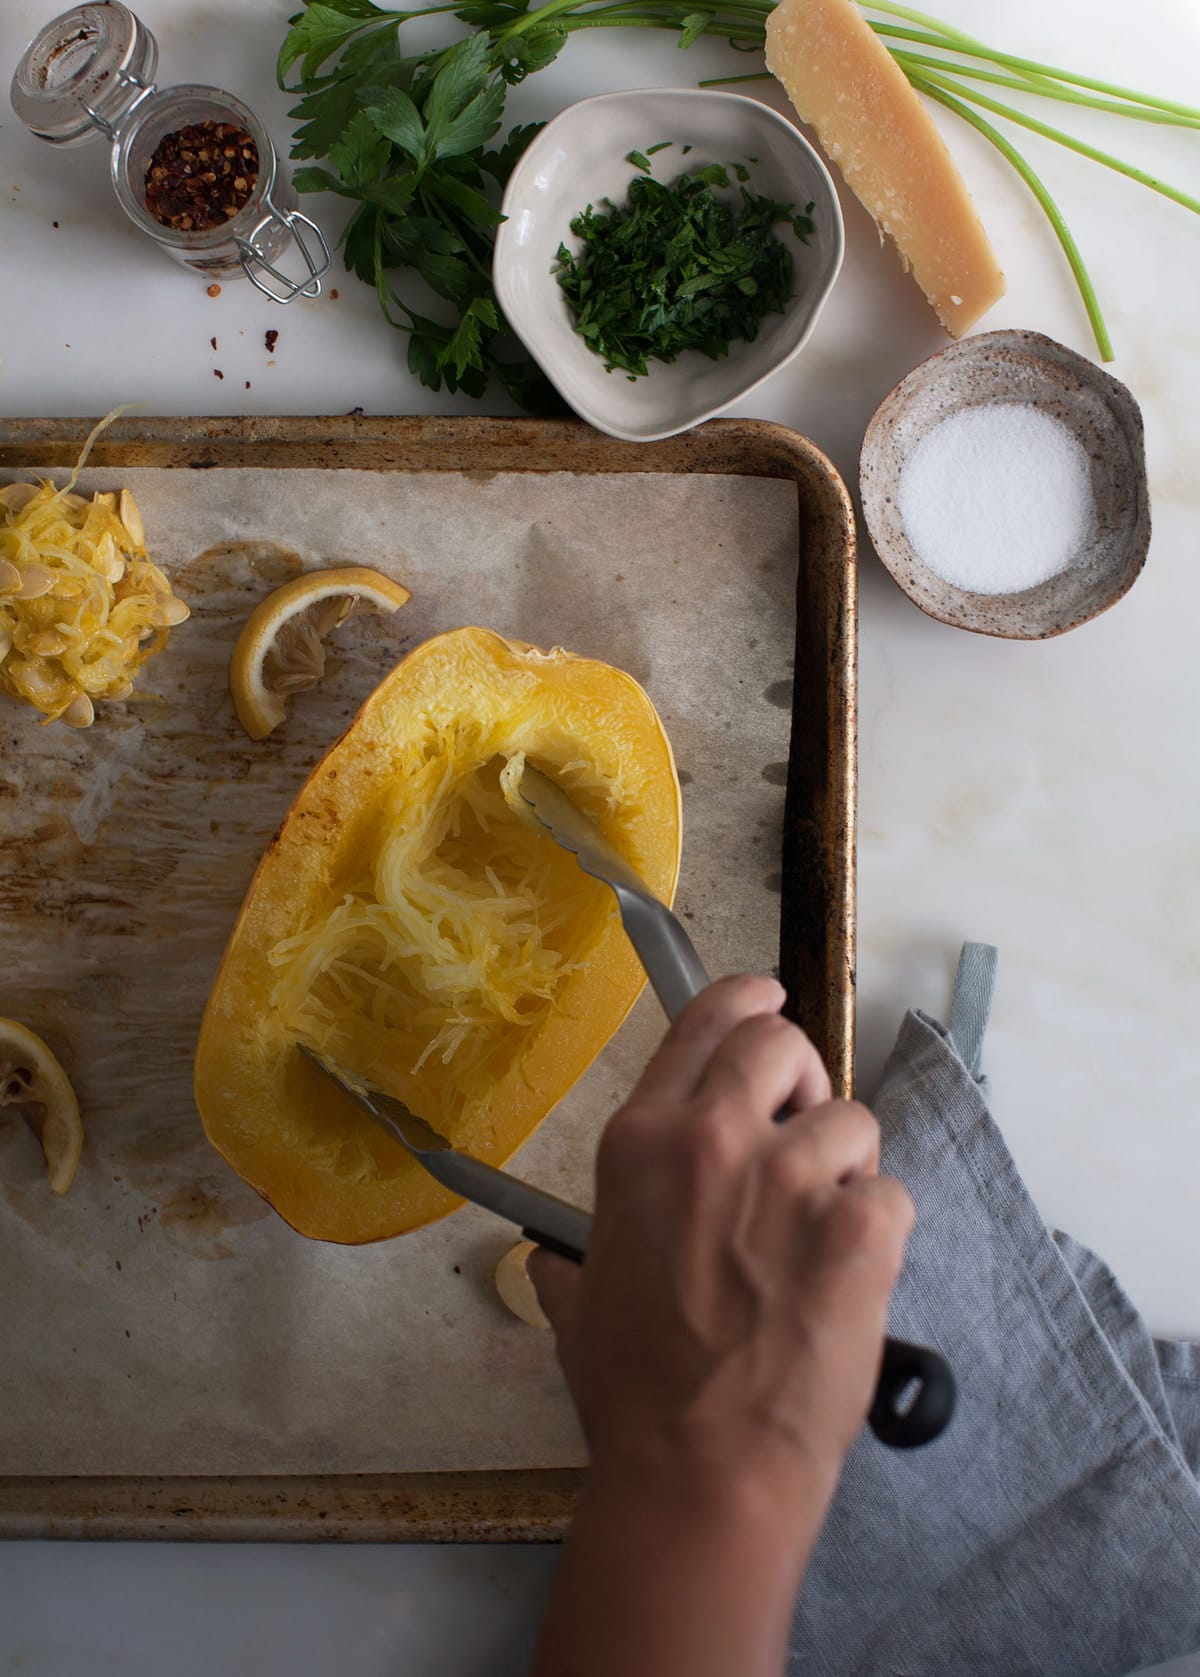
[[556, 1282]]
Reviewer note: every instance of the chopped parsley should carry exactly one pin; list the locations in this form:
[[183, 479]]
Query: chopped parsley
[[675, 267]]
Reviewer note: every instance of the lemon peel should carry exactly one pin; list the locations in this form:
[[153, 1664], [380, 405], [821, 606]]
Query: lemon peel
[[281, 649], [31, 1077]]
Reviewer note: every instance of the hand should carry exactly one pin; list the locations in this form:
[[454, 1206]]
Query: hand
[[729, 1319]]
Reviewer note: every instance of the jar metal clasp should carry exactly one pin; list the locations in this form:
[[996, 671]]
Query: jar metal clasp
[[124, 79], [256, 264]]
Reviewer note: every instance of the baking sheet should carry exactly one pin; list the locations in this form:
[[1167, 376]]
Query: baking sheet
[[160, 1319]]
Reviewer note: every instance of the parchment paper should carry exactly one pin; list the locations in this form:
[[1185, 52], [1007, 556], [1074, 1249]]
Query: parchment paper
[[160, 1318]]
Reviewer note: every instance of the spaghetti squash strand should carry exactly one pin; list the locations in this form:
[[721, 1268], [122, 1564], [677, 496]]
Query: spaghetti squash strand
[[469, 927]]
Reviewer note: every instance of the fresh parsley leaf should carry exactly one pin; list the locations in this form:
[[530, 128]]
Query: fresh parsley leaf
[[448, 275], [423, 353], [320, 180], [316, 35], [532, 50], [397, 118], [529, 387], [712, 174], [360, 243], [460, 75], [361, 153], [464, 348], [639, 161], [663, 145], [694, 25], [501, 163], [461, 197], [393, 195], [472, 127]]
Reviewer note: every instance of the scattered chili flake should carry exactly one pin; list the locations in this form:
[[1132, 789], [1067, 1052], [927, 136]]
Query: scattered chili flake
[[213, 342], [333, 296], [247, 384], [217, 373], [272, 340], [214, 290], [200, 176], [54, 224]]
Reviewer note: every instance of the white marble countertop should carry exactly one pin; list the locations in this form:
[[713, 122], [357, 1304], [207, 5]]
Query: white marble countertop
[[1040, 796]]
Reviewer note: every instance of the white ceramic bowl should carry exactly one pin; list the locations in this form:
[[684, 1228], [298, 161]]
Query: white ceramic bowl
[[580, 158]]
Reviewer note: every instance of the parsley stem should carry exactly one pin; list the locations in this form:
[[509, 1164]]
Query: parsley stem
[[725, 32], [1037, 186], [534, 19]]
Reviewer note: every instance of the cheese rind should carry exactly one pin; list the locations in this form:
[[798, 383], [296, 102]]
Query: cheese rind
[[872, 125]]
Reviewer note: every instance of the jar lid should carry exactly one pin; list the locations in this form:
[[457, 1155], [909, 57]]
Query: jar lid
[[83, 72]]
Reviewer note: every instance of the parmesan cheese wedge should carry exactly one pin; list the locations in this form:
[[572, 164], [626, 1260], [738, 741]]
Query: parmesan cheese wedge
[[870, 122]]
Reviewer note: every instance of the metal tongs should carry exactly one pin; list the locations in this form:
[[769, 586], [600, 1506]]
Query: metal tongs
[[914, 1398]]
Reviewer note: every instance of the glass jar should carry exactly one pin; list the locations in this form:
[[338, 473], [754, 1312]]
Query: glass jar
[[91, 71]]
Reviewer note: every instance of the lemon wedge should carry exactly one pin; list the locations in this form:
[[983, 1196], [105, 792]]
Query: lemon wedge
[[516, 1289], [281, 650], [31, 1078]]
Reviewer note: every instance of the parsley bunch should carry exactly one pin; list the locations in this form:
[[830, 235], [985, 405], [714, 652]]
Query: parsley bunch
[[406, 140], [675, 268]]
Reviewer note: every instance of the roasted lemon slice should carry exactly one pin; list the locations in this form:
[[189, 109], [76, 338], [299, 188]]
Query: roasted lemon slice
[[515, 1287], [281, 650], [31, 1078]]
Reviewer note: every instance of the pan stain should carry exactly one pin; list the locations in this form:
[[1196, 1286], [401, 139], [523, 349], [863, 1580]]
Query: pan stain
[[480, 476], [685, 779], [774, 882], [237, 564], [779, 693], [775, 774], [195, 1218], [31, 1201], [158, 1147]]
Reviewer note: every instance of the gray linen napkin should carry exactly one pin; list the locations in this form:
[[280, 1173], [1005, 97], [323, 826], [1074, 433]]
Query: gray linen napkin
[[1054, 1529]]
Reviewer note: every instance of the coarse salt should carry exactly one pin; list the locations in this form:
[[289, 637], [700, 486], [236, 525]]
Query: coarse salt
[[996, 498]]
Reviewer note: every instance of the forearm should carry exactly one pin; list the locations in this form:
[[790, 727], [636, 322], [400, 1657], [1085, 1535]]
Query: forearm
[[671, 1577]]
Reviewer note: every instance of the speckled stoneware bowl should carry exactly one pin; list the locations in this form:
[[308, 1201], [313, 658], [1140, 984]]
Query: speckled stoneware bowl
[[1100, 413]]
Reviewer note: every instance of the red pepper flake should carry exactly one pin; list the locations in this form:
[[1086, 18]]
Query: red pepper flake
[[214, 290], [217, 373], [247, 384], [333, 296], [54, 224], [272, 340], [213, 342], [200, 176]]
